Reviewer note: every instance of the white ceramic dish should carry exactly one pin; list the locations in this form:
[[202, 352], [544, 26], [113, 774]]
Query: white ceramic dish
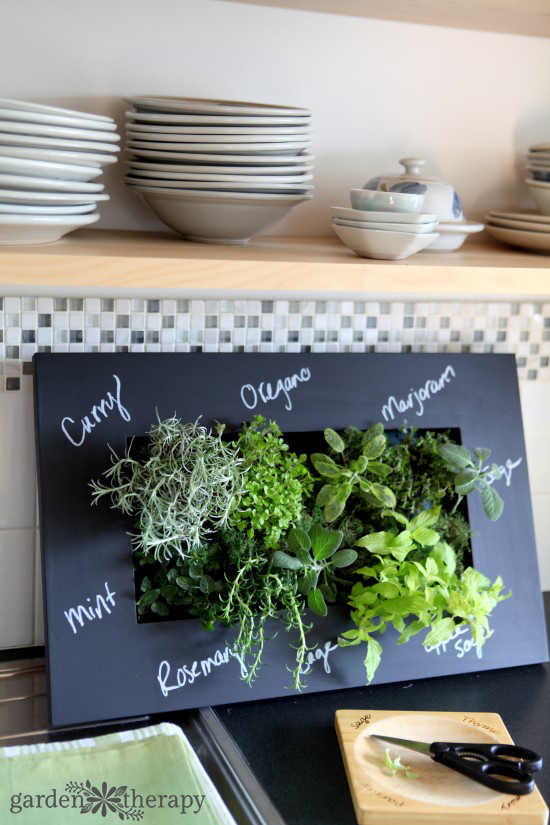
[[216, 170], [219, 218], [92, 159], [182, 137], [26, 106], [217, 186], [527, 215], [7, 139], [528, 226], [45, 198], [216, 159], [541, 194], [48, 184], [516, 237], [382, 245], [33, 209], [376, 201], [56, 120], [245, 131], [189, 176], [137, 146], [453, 234], [63, 132], [347, 214], [213, 107], [539, 175], [540, 147], [415, 229], [38, 168], [28, 229], [215, 120]]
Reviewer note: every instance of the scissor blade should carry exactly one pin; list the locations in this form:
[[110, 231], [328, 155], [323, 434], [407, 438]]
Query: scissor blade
[[421, 747]]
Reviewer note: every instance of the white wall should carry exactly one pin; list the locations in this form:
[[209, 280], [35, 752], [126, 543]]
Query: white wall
[[469, 102]]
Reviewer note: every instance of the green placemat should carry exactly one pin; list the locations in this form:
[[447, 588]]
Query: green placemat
[[149, 775]]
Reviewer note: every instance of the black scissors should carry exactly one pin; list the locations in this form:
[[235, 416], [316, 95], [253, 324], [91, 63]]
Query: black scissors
[[484, 763]]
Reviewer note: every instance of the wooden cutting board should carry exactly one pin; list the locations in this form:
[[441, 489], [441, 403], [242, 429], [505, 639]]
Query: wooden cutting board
[[439, 796]]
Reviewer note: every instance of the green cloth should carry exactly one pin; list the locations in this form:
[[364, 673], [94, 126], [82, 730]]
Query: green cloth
[[153, 774]]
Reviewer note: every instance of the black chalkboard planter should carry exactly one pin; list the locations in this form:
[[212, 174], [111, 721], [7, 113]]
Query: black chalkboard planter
[[103, 664]]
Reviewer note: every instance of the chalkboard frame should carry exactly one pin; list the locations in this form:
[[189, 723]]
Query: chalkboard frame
[[103, 665]]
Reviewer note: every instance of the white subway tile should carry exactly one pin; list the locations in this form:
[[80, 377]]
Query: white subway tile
[[17, 563], [17, 461]]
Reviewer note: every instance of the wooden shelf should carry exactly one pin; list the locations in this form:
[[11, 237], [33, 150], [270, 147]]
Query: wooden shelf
[[94, 261], [530, 17]]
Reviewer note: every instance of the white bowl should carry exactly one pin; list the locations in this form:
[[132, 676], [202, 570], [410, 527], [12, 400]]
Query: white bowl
[[373, 200], [30, 229], [219, 186], [159, 174], [382, 245], [222, 218], [410, 219], [415, 229], [453, 234], [541, 194]]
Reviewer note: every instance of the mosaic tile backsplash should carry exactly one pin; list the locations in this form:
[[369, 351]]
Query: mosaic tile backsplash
[[29, 325]]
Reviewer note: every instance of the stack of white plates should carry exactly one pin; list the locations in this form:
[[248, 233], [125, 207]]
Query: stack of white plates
[[48, 160], [384, 235], [538, 169], [529, 229], [218, 171]]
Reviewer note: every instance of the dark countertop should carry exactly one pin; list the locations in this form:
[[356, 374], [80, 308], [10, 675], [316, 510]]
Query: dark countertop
[[291, 744]]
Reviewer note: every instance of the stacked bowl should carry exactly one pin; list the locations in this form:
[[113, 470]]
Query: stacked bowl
[[218, 171], [384, 225], [49, 158], [538, 168]]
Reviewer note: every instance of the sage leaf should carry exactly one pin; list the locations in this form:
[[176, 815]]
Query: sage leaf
[[334, 441], [379, 469], [325, 466], [492, 502], [334, 508], [329, 591], [455, 456], [298, 539], [481, 453], [281, 559], [308, 581], [343, 558], [372, 432], [325, 494], [324, 542], [316, 602], [375, 447], [383, 494]]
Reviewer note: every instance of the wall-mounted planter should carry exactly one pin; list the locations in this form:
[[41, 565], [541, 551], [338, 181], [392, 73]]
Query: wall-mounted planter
[[103, 664]]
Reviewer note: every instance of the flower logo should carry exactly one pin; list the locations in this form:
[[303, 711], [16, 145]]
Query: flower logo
[[104, 801]]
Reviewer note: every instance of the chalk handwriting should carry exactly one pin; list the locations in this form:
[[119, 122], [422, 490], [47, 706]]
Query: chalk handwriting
[[506, 471], [77, 615], [188, 674], [267, 392], [416, 399], [316, 655], [99, 412], [461, 646]]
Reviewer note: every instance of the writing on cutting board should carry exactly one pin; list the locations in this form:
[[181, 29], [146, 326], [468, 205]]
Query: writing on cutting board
[[91, 611], [267, 391], [461, 646], [76, 433], [416, 399], [187, 674]]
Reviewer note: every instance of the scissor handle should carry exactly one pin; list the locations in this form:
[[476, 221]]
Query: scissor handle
[[486, 763]]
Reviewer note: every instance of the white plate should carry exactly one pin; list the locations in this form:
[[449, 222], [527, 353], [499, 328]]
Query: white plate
[[516, 237], [45, 198], [215, 169], [218, 186], [63, 132], [25, 106], [137, 146], [415, 229], [56, 120], [540, 147], [453, 234], [384, 246], [38, 168], [248, 131], [529, 226], [219, 139], [214, 107], [28, 229], [527, 215], [33, 209], [176, 194], [215, 120], [224, 160], [7, 139], [56, 156], [347, 214], [237, 178], [19, 182], [460, 227]]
